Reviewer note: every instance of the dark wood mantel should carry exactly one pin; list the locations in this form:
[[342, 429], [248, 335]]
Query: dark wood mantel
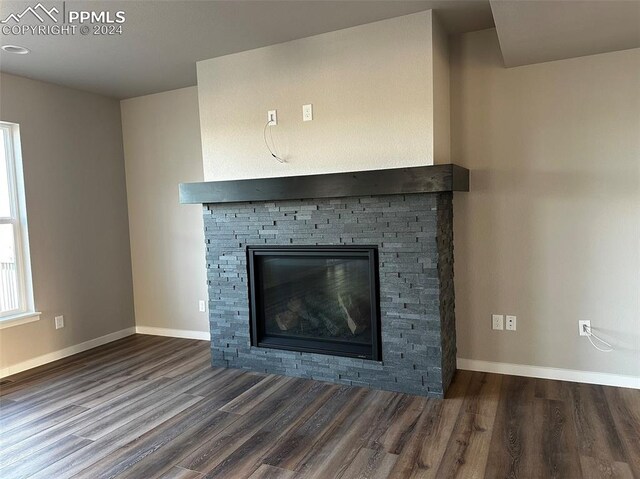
[[420, 179]]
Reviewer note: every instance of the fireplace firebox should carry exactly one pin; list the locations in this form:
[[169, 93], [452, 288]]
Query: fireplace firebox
[[320, 299]]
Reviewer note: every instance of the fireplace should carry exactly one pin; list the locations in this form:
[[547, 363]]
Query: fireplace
[[291, 287], [315, 299]]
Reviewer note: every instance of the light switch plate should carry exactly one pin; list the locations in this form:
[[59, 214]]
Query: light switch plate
[[497, 321], [59, 322], [202, 306]]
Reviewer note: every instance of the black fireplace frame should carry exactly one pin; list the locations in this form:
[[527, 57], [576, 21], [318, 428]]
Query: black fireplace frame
[[258, 337]]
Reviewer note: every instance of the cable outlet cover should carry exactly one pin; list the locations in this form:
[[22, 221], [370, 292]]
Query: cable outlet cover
[[584, 331], [272, 117]]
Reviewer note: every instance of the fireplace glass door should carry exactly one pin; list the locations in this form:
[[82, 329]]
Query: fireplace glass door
[[315, 299]]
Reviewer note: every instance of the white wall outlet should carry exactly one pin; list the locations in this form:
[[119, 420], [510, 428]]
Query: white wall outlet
[[272, 117], [307, 112], [202, 306], [582, 330], [510, 324], [497, 321], [59, 322]]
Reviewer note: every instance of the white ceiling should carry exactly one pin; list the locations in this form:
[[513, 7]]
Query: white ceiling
[[534, 31], [162, 40]]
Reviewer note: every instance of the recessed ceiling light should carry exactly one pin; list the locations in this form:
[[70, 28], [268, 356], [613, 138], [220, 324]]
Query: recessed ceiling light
[[15, 49]]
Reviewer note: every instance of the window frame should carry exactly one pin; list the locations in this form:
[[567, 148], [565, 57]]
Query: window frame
[[25, 312]]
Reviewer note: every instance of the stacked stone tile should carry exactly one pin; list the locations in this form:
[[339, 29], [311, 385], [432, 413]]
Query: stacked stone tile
[[414, 234]]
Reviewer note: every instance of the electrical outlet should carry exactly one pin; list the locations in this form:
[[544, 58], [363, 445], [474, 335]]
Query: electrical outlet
[[59, 322], [307, 112], [202, 306], [510, 324], [497, 321], [582, 330], [272, 117]]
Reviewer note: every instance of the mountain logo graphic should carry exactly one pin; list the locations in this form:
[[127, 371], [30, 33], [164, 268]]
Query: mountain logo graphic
[[39, 11]]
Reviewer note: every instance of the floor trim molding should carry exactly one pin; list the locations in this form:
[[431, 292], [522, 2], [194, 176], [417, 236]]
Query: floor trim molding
[[572, 375], [63, 353], [174, 333]]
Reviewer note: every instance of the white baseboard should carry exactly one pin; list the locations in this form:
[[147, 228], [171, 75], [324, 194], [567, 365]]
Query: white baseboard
[[174, 333], [589, 377], [63, 353]]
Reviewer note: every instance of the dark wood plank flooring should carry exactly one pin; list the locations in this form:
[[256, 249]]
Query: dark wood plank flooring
[[151, 407]]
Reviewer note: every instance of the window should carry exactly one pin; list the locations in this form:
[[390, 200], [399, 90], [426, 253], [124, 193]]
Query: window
[[16, 292]]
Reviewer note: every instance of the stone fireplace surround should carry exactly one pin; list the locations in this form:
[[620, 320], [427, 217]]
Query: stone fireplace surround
[[412, 224]]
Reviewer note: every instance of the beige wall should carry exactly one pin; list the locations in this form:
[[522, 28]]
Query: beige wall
[[371, 88], [77, 213], [162, 148], [441, 95], [550, 230]]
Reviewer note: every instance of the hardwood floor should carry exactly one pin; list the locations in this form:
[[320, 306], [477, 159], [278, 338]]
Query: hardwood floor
[[150, 407]]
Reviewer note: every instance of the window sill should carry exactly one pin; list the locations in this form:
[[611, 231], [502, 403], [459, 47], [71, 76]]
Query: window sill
[[18, 319]]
